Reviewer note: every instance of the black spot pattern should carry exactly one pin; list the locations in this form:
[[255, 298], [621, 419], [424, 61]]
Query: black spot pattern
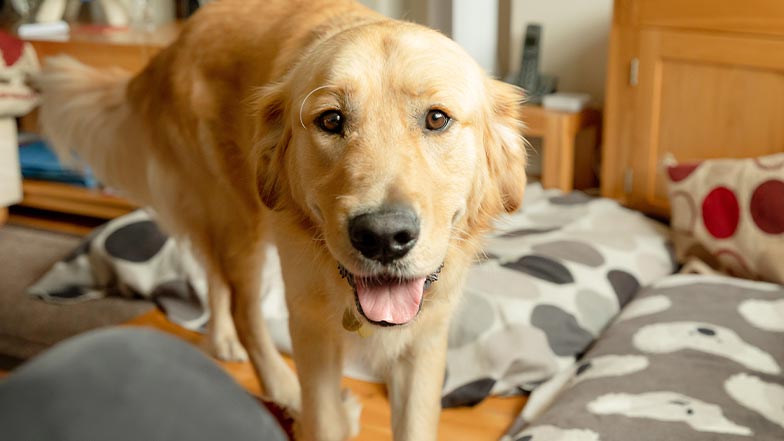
[[706, 331], [177, 298], [583, 367], [542, 268], [624, 284], [572, 251], [564, 335], [136, 242], [573, 198], [527, 232], [525, 438], [69, 292], [469, 394]]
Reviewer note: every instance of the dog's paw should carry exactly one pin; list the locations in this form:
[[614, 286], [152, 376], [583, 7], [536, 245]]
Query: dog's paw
[[353, 409], [226, 348]]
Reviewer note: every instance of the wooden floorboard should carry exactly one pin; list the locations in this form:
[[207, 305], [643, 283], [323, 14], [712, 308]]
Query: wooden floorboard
[[487, 421]]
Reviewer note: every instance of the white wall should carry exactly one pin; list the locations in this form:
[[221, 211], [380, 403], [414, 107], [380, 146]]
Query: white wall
[[390, 8], [575, 39], [471, 23], [475, 27], [575, 35]]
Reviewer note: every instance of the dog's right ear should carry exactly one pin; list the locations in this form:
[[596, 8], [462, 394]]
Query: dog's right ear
[[271, 136]]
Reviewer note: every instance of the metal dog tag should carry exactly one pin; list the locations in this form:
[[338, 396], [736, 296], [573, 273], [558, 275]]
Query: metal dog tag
[[350, 321]]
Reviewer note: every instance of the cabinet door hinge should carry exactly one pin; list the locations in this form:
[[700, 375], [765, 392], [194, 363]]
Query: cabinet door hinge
[[628, 181], [634, 71]]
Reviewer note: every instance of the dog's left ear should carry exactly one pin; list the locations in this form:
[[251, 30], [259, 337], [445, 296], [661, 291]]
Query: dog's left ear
[[271, 136], [505, 145]]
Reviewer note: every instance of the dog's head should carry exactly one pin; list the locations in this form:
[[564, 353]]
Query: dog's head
[[394, 146]]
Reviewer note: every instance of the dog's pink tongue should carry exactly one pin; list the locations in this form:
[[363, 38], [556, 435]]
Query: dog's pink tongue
[[394, 302]]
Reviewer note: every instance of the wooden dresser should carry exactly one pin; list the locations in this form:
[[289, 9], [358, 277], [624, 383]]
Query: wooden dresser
[[695, 79]]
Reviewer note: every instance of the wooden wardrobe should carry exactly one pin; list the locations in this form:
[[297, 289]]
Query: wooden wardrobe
[[696, 79]]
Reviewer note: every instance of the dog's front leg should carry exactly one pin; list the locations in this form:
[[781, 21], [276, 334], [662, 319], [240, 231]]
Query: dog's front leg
[[278, 381], [414, 384], [222, 340], [319, 358]]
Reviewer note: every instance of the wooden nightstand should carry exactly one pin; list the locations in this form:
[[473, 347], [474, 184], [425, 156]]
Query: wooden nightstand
[[559, 131]]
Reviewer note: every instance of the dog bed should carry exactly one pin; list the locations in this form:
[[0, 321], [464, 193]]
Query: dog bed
[[551, 277]]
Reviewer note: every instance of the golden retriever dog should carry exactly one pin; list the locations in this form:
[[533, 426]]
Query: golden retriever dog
[[373, 152]]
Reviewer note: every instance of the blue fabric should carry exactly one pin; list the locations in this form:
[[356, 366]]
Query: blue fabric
[[38, 161]]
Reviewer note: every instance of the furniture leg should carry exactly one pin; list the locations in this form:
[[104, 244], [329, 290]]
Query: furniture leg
[[558, 157]]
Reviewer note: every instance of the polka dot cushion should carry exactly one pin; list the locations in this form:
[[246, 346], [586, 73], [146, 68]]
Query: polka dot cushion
[[729, 213], [554, 274]]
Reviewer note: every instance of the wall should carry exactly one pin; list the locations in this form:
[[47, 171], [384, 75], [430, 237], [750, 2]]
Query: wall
[[471, 23], [475, 27], [575, 40]]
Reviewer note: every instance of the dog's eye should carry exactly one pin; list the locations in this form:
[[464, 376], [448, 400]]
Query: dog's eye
[[331, 121], [436, 120]]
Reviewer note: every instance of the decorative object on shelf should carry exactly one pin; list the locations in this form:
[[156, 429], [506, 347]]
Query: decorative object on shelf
[[117, 13], [42, 30], [25, 8], [18, 61]]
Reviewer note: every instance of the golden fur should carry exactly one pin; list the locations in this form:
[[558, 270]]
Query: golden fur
[[218, 135]]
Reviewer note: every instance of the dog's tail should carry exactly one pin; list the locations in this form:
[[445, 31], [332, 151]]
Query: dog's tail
[[87, 118]]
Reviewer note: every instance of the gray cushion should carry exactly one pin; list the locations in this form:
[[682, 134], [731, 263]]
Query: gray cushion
[[692, 358]]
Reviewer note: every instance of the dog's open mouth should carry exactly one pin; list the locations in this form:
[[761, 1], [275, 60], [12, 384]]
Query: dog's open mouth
[[388, 300]]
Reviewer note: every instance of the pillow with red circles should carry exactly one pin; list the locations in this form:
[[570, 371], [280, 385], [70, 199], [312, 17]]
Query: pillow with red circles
[[729, 213]]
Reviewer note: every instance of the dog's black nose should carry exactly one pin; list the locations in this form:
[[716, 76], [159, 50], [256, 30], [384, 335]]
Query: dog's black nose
[[385, 235]]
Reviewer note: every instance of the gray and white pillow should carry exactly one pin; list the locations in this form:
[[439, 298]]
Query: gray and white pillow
[[691, 358]]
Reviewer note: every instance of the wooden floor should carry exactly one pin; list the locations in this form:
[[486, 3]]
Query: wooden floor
[[487, 421]]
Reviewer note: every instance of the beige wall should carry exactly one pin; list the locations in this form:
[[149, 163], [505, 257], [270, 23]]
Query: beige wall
[[575, 39]]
